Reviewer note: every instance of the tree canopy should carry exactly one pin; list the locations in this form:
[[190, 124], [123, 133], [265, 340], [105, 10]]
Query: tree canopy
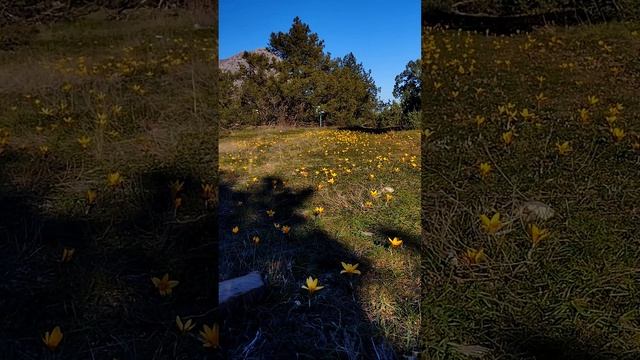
[[299, 46], [408, 87], [296, 88]]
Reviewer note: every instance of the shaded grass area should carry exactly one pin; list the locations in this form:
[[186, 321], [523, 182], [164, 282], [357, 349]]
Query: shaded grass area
[[574, 294], [292, 172], [590, 11], [80, 103]]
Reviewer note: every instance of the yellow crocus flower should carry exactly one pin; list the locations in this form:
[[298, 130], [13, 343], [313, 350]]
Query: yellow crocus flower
[[507, 137], [186, 326], [564, 148], [67, 254], [538, 234], [52, 340], [485, 169], [350, 269], [312, 285], [210, 336], [84, 141], [114, 179], [395, 242], [474, 256], [491, 226], [584, 115], [164, 285], [618, 134], [526, 114], [91, 196]]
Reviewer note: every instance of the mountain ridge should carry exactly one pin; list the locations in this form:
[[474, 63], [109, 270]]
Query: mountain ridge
[[233, 63]]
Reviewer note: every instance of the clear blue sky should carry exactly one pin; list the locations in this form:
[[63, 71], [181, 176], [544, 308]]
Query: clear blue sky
[[383, 34]]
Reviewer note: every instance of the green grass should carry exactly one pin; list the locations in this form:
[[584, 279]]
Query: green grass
[[288, 171], [575, 294], [55, 86]]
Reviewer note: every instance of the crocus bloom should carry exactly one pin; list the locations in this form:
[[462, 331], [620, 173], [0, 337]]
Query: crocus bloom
[[395, 242], [350, 269], [474, 256], [186, 326], [52, 340], [210, 336], [164, 285], [538, 234], [312, 285], [491, 226], [485, 169]]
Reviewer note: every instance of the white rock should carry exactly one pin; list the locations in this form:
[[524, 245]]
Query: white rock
[[536, 210]]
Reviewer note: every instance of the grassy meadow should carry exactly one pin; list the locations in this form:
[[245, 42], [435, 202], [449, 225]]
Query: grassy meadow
[[531, 174], [296, 203], [108, 162]]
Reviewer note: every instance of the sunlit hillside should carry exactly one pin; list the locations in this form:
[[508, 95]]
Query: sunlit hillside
[[341, 207]]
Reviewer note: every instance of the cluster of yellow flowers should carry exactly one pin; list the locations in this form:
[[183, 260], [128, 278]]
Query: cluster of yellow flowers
[[352, 174], [209, 336], [312, 285], [116, 180], [454, 56], [491, 226], [134, 60], [85, 108]]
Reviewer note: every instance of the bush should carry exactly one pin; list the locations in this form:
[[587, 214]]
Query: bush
[[412, 120]]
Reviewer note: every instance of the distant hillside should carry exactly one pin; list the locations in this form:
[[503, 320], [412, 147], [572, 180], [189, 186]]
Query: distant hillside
[[233, 63]]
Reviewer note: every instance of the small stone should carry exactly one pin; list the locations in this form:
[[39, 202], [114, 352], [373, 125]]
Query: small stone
[[475, 351], [536, 210]]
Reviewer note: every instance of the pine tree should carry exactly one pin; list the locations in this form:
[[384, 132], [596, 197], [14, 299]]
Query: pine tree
[[299, 46], [408, 87], [305, 81]]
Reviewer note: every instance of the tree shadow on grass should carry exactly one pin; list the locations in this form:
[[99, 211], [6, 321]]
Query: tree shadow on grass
[[285, 322], [103, 299], [505, 24], [410, 241], [370, 130], [528, 343]]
